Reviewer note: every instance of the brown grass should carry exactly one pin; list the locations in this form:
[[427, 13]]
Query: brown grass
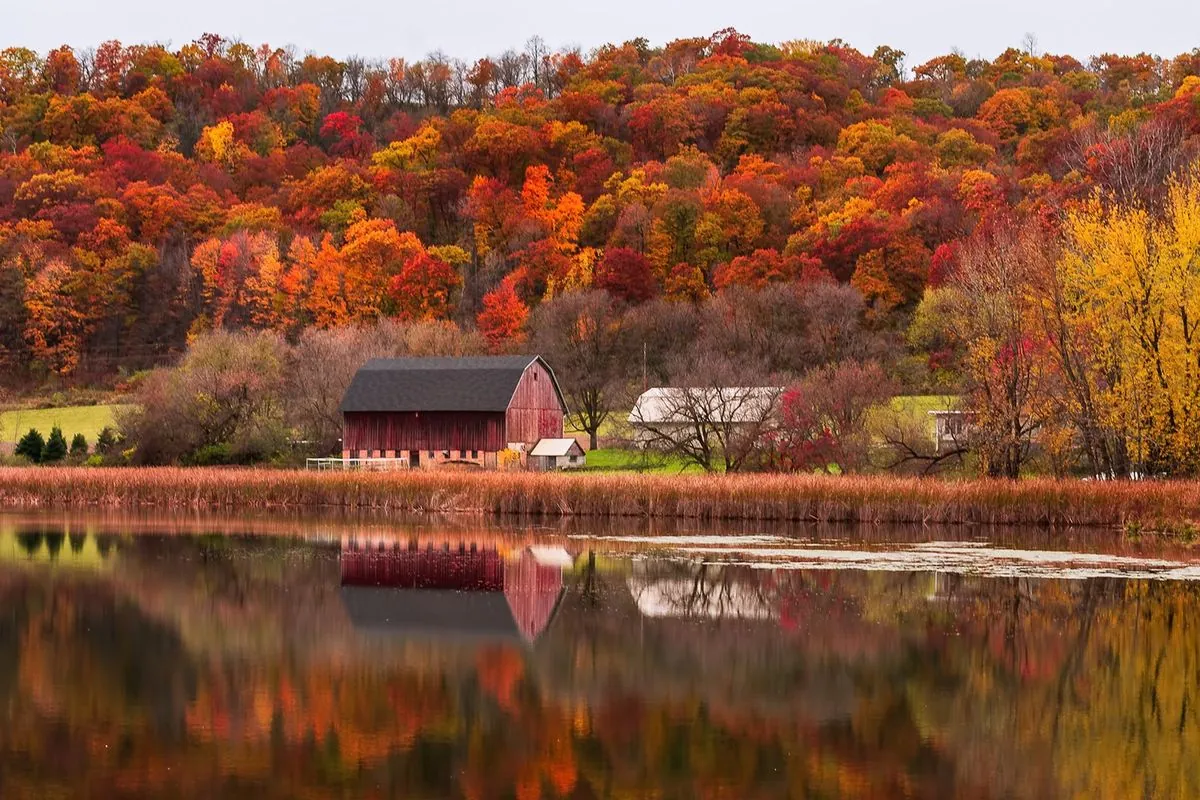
[[699, 497]]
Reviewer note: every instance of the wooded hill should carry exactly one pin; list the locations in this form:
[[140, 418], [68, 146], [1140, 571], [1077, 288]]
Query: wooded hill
[[146, 193]]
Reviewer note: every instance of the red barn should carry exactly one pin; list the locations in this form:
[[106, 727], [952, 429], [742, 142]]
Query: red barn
[[432, 411]]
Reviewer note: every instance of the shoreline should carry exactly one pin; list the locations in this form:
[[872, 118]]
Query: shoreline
[[1148, 506]]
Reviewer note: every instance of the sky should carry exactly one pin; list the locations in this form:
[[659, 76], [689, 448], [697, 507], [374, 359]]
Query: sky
[[469, 29]]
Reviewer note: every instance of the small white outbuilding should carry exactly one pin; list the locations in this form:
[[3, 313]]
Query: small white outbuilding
[[549, 454]]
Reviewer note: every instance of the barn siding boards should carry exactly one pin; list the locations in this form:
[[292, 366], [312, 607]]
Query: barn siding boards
[[535, 412], [430, 430]]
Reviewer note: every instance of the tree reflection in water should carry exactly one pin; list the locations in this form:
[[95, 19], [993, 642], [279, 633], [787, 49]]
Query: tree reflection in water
[[224, 666]]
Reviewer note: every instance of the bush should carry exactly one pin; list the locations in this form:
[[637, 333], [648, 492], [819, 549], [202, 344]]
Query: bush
[[95, 460], [31, 446], [106, 441], [211, 455], [79, 446], [223, 403], [56, 447]]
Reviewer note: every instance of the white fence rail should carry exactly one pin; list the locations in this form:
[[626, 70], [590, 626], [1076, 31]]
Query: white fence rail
[[372, 464]]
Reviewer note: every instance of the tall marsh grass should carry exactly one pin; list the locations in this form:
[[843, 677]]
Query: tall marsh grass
[[793, 498]]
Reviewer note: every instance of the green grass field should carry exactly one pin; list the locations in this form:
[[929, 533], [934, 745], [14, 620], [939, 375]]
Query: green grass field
[[920, 405], [616, 460], [615, 426], [911, 409], [88, 420]]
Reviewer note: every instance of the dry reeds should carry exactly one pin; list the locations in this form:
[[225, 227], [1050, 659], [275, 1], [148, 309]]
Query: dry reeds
[[790, 498]]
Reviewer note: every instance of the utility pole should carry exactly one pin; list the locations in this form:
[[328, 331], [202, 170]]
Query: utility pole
[[645, 373]]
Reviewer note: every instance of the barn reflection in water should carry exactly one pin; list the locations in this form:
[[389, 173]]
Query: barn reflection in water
[[463, 591]]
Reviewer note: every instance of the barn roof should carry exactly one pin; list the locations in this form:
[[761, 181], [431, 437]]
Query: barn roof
[[482, 383], [430, 612]]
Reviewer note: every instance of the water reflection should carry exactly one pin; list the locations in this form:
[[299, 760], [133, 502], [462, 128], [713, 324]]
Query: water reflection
[[464, 592], [489, 665]]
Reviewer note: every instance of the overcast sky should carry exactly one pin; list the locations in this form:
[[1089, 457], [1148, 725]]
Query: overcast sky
[[471, 28]]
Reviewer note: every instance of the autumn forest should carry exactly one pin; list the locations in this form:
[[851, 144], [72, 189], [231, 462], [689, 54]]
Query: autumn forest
[[1021, 232]]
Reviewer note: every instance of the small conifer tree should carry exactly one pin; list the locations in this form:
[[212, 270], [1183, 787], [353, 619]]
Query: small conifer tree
[[106, 442], [31, 446], [56, 447], [79, 446]]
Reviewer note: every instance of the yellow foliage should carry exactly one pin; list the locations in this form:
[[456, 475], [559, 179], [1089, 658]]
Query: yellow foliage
[[452, 254], [636, 188], [216, 143], [1189, 87], [1131, 281], [418, 151], [583, 268]]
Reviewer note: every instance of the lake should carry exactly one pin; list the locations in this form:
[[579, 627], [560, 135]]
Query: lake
[[457, 657]]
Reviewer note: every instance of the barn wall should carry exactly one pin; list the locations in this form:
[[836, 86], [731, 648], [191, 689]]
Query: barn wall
[[532, 591], [428, 430], [535, 412], [478, 570]]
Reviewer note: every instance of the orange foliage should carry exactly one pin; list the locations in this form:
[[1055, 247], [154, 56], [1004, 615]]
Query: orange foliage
[[220, 185]]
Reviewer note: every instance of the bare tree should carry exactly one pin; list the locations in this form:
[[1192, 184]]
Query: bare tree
[[823, 419], [323, 362], [354, 78], [538, 57], [907, 446], [1131, 166], [710, 417], [586, 339], [787, 328], [663, 334], [320, 367], [1009, 384]]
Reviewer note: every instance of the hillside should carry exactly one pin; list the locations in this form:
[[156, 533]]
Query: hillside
[[148, 192]]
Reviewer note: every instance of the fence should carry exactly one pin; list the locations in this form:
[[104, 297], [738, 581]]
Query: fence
[[371, 464]]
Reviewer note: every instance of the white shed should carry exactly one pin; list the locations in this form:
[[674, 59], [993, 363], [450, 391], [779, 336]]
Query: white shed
[[668, 414], [550, 454], [951, 429]]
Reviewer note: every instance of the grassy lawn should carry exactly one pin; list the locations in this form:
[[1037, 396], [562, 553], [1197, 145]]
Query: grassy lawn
[[615, 426], [912, 409], [921, 404], [615, 460], [87, 420]]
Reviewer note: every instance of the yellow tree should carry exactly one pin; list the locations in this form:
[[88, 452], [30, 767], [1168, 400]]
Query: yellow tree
[[1132, 279]]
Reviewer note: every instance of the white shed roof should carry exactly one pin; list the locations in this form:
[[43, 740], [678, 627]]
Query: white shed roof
[[555, 447], [728, 404]]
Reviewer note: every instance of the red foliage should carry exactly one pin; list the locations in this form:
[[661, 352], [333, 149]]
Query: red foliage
[[503, 318], [943, 263], [425, 288], [346, 135], [769, 266], [625, 274], [804, 441], [711, 158]]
